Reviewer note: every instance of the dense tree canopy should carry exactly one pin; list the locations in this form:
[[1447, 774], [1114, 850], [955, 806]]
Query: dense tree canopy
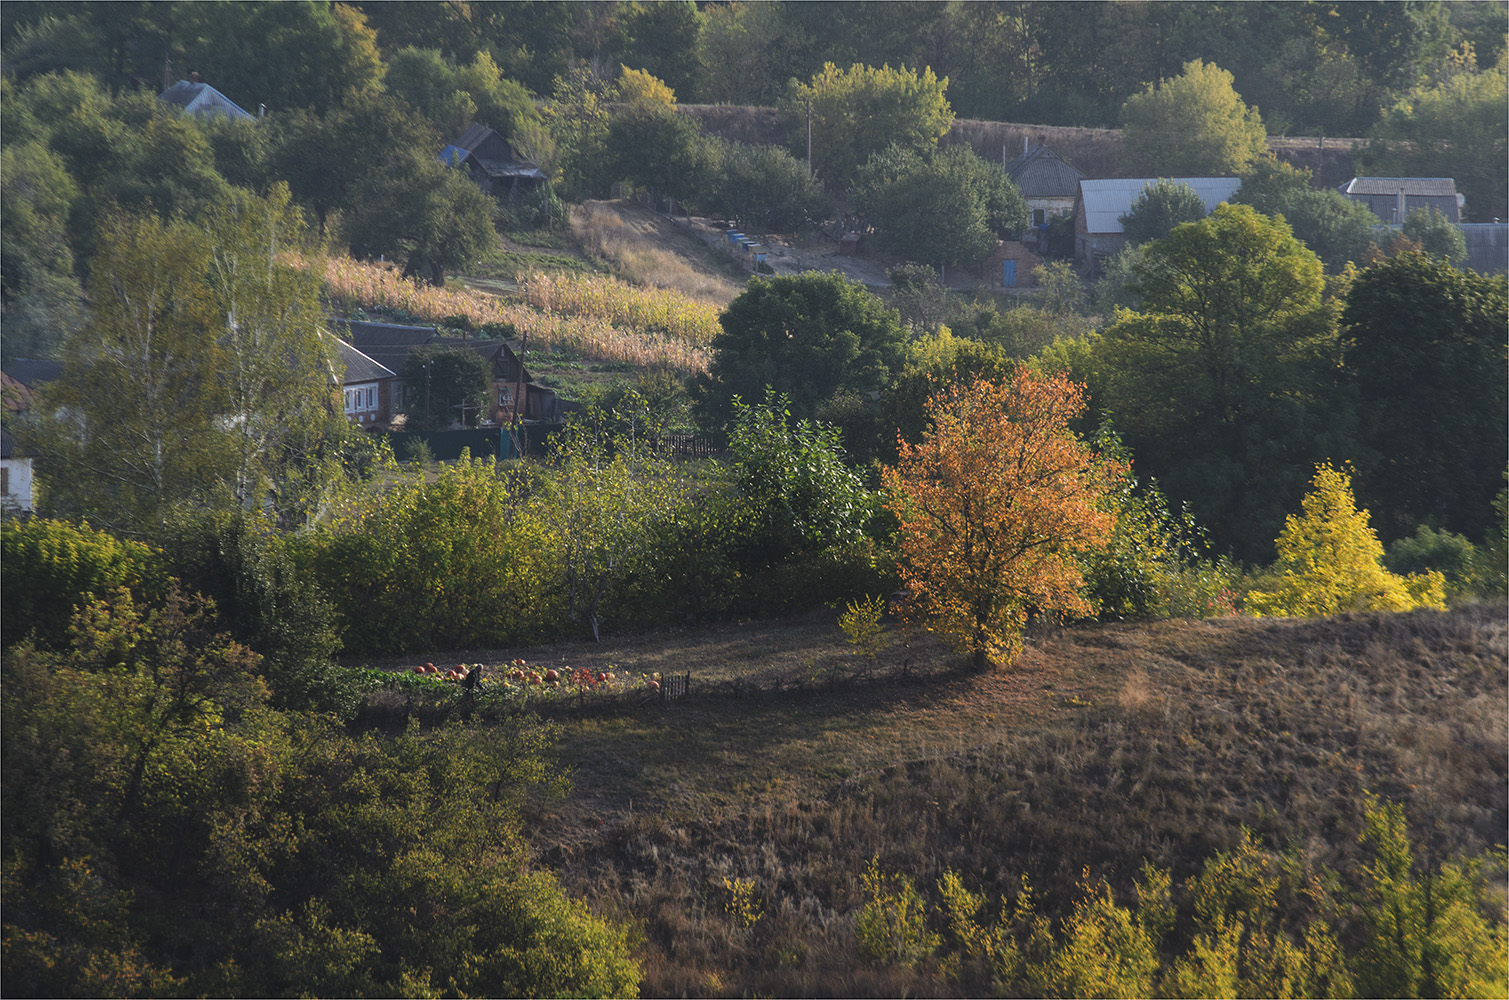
[[1160, 207], [860, 111], [809, 337], [1194, 124], [1218, 377], [945, 207], [1425, 350], [1337, 228]]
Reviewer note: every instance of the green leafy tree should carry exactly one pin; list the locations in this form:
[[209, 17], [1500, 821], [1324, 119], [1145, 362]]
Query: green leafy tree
[[1338, 229], [919, 296], [279, 400], [1193, 124], [41, 298], [1219, 379], [1330, 560], [376, 132], [657, 148], [417, 210], [1160, 207], [946, 208], [284, 55], [431, 83], [1436, 235], [808, 336], [132, 426], [577, 118], [1456, 126], [442, 383], [763, 187], [860, 111], [1425, 352], [661, 36], [794, 477]]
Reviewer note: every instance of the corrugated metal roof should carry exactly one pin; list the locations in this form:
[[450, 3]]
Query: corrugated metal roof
[[1107, 200], [1039, 173], [201, 99], [1424, 186]]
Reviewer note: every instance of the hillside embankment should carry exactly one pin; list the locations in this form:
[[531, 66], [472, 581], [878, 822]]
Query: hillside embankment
[[1097, 152]]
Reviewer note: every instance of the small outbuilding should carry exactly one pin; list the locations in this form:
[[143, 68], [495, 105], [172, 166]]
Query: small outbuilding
[[1393, 198], [1103, 201], [492, 163]]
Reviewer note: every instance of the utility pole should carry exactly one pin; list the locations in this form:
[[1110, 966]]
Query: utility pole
[[809, 137], [427, 394]]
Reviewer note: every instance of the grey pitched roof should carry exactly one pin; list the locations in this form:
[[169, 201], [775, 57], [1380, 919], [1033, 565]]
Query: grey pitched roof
[[491, 152], [389, 344], [1422, 186], [201, 99], [1039, 173], [359, 367], [31, 372], [1107, 200]]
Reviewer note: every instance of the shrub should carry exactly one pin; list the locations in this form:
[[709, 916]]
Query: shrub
[[892, 926], [1329, 560], [51, 568], [1457, 559]]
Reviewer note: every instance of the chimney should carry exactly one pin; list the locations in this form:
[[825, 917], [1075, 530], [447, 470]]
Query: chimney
[[1024, 145], [194, 77]]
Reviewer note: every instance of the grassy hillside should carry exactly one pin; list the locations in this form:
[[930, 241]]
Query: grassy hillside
[[794, 761]]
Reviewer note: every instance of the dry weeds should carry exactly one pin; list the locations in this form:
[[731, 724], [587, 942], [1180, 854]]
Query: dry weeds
[[1104, 746], [638, 252]]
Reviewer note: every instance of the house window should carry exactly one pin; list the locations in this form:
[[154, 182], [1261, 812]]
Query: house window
[[350, 403], [5, 481], [371, 397], [505, 396], [1037, 216]]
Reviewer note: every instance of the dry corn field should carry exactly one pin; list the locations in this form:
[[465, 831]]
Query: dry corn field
[[672, 335]]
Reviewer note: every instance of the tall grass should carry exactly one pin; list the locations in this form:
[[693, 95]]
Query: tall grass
[[601, 229], [648, 336], [592, 296]]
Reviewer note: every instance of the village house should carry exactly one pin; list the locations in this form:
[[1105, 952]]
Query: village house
[[368, 387], [492, 163], [1103, 201], [387, 346], [1048, 184], [1393, 198], [198, 98]]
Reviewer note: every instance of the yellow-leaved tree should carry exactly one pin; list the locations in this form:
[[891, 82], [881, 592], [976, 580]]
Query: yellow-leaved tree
[[1330, 560], [995, 503]]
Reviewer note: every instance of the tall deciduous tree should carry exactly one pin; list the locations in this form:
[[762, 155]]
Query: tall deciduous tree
[[1338, 229], [861, 110], [429, 216], [1425, 351], [280, 400], [1218, 379], [948, 207], [1160, 207], [808, 336], [995, 503], [1193, 124], [130, 428]]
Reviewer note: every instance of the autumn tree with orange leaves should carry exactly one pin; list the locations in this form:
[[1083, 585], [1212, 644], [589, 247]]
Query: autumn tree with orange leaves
[[995, 503]]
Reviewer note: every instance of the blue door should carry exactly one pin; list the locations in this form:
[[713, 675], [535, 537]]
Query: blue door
[[1008, 274]]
